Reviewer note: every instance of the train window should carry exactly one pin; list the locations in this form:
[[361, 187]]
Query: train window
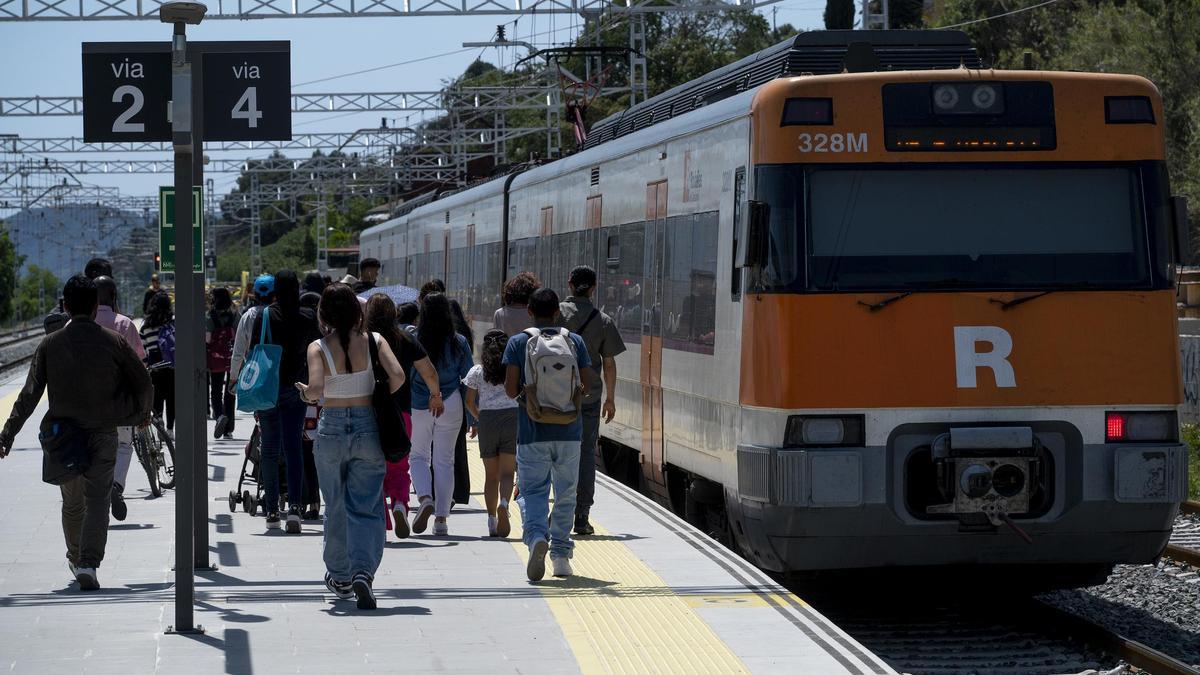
[[689, 281], [625, 290], [613, 248], [739, 198]]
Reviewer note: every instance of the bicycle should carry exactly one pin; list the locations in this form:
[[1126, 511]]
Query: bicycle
[[148, 443]]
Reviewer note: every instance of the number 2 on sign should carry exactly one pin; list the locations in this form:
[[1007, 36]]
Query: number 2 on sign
[[833, 142], [251, 113]]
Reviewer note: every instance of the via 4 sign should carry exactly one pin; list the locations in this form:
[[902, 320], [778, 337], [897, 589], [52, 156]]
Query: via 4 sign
[[247, 96]]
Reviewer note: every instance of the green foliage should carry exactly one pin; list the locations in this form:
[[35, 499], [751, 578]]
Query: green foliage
[[1002, 42], [1191, 438], [9, 263], [839, 14], [37, 293], [906, 13]]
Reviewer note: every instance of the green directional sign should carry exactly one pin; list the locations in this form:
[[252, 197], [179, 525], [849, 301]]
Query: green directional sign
[[166, 228]]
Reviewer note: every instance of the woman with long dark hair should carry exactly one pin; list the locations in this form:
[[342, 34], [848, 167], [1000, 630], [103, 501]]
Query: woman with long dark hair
[[497, 429], [381, 319], [158, 339], [219, 330], [348, 456], [282, 427], [462, 468], [433, 436]]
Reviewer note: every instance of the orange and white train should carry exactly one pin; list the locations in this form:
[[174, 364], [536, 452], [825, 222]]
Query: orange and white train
[[883, 308]]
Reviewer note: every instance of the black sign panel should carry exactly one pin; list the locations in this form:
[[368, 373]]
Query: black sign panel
[[125, 95], [247, 96]]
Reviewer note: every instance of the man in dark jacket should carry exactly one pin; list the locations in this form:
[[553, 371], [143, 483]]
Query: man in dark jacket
[[115, 392]]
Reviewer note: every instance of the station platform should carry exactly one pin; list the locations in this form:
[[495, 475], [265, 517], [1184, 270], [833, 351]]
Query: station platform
[[650, 594]]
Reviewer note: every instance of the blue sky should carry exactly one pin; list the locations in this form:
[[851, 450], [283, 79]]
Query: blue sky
[[43, 58]]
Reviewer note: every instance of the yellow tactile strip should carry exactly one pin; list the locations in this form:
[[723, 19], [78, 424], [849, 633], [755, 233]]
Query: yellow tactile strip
[[619, 616]]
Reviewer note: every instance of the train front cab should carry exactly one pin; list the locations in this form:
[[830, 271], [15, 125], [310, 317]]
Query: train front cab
[[961, 350]]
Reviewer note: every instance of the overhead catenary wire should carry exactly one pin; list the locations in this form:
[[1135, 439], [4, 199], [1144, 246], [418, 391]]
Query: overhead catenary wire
[[998, 16]]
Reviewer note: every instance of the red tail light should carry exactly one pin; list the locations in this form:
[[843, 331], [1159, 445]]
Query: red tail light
[[1114, 427]]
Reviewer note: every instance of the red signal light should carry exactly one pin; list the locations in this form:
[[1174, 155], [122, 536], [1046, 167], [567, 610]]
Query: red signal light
[[1114, 427]]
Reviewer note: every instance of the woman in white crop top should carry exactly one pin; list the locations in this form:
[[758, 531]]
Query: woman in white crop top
[[350, 463]]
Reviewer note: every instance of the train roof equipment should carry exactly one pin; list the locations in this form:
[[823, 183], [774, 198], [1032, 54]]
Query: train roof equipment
[[812, 53]]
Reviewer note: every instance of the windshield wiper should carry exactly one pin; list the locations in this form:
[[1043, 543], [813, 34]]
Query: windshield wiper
[[876, 306], [1009, 304]]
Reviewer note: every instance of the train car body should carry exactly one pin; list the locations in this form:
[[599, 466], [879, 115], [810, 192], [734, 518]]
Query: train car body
[[897, 318]]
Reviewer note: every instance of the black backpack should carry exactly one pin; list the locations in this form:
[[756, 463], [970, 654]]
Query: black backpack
[[55, 320]]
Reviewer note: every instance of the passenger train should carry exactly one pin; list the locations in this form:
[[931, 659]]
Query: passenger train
[[884, 307]]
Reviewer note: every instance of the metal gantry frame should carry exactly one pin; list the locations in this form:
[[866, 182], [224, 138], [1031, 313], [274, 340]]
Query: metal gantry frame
[[143, 10]]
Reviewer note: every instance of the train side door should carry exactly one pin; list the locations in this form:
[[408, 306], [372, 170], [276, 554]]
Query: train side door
[[651, 371]]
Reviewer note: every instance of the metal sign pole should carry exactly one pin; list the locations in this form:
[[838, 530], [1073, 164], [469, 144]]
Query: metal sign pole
[[199, 381], [185, 144]]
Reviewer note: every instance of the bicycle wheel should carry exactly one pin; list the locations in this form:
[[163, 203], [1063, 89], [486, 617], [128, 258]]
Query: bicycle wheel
[[164, 460], [145, 452]]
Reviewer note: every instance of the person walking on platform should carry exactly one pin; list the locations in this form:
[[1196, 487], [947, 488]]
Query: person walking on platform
[[604, 343], [497, 429], [220, 330], [368, 274], [433, 436], [349, 458], [513, 317], [116, 392], [381, 319], [311, 290], [263, 294], [462, 463], [107, 317], [549, 368], [158, 339], [153, 290], [293, 328]]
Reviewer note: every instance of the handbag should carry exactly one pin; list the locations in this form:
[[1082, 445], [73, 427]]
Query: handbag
[[393, 438], [258, 383], [65, 453]]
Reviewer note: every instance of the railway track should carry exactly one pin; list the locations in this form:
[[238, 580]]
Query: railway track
[[1184, 546], [13, 356]]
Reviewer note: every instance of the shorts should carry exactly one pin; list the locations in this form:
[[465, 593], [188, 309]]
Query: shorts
[[497, 432]]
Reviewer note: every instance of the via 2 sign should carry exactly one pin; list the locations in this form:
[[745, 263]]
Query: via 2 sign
[[125, 94]]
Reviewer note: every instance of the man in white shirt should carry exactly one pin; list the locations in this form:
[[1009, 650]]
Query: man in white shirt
[[107, 317]]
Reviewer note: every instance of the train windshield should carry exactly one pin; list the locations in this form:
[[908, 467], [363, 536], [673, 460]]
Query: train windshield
[[969, 226]]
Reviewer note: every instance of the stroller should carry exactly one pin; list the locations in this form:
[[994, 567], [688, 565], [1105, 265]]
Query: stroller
[[252, 470]]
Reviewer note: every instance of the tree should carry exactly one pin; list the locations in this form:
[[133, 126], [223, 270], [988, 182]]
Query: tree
[[839, 14], [38, 292], [10, 261], [906, 13]]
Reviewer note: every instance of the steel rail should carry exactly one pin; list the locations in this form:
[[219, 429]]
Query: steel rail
[[1135, 653]]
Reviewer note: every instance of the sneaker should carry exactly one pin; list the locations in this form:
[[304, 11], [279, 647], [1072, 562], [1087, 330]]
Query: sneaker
[[86, 576], [583, 527], [119, 509], [362, 588], [562, 567], [440, 527], [293, 520], [400, 520], [313, 512], [273, 520], [228, 437], [503, 527], [341, 589], [535, 569], [492, 527], [421, 521], [221, 428]]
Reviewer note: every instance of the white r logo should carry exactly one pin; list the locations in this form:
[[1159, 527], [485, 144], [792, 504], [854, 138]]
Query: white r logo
[[967, 359]]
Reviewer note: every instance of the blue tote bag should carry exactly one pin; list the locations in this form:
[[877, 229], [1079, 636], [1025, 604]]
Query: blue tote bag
[[258, 383]]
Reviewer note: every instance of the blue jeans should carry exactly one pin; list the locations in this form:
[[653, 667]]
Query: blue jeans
[[282, 428], [350, 469], [587, 458], [540, 465]]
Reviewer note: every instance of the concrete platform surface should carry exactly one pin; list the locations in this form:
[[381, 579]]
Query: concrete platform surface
[[650, 594]]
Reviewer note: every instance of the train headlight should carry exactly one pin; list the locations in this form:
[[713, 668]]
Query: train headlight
[[1141, 427], [984, 97], [945, 97], [824, 431]]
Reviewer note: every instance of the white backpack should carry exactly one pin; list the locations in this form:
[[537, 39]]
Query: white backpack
[[553, 391]]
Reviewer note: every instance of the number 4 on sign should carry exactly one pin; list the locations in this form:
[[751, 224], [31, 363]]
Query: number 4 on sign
[[251, 113]]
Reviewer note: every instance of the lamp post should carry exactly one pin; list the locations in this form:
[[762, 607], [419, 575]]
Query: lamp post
[[180, 15]]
